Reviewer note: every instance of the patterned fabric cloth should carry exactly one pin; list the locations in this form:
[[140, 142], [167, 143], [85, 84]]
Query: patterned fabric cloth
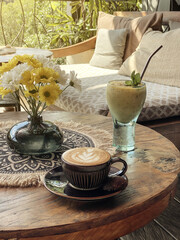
[[161, 101], [14, 163]]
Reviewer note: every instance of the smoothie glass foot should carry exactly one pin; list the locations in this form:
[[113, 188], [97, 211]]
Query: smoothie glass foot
[[124, 136]]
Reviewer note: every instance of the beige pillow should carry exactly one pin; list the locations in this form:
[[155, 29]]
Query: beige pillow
[[174, 25], [136, 27], [109, 49], [164, 66]]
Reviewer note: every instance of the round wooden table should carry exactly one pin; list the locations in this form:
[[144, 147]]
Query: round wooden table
[[35, 213], [22, 51]]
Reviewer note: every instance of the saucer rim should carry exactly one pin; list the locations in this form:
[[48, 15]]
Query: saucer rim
[[93, 198]]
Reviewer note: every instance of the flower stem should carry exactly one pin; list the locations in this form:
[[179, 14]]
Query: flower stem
[[44, 107], [65, 88], [21, 101]]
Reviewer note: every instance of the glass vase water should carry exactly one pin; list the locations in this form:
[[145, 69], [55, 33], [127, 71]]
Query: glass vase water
[[34, 136]]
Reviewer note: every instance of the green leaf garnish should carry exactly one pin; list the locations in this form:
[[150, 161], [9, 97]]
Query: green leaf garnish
[[135, 80], [128, 83]]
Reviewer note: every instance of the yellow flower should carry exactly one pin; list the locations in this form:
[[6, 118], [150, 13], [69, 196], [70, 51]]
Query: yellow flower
[[49, 93], [30, 60], [8, 66], [27, 80], [44, 75], [4, 92], [36, 79]]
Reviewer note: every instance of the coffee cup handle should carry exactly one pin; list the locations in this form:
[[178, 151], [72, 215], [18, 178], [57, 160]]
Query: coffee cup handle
[[120, 172]]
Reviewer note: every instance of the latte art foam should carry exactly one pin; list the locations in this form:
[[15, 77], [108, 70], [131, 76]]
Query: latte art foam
[[86, 156]]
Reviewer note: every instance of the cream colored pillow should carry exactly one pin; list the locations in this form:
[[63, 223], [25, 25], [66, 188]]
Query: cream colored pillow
[[109, 49], [164, 67], [136, 27], [174, 25]]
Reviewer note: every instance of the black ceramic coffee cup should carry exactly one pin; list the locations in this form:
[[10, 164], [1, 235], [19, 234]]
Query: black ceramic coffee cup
[[87, 168]]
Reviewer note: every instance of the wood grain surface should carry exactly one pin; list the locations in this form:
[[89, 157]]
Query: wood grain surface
[[169, 128], [164, 227], [34, 213]]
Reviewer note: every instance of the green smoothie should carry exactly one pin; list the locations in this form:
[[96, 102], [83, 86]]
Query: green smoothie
[[125, 102]]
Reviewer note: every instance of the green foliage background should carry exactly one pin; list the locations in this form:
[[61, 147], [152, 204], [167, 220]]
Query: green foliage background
[[46, 24]]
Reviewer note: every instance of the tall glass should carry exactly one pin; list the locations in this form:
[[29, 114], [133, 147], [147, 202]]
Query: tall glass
[[125, 104]]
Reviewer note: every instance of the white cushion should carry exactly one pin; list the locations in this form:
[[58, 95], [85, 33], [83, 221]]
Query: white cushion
[[109, 49], [174, 25], [161, 102]]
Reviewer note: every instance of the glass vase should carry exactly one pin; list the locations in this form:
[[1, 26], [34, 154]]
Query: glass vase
[[34, 136]]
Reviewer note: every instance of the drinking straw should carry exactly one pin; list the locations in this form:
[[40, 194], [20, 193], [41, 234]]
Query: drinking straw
[[148, 61]]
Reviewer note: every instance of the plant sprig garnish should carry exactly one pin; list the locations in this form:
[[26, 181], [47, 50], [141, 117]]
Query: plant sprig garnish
[[136, 78]]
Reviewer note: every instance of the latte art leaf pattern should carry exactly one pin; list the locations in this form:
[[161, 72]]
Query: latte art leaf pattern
[[87, 156]]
